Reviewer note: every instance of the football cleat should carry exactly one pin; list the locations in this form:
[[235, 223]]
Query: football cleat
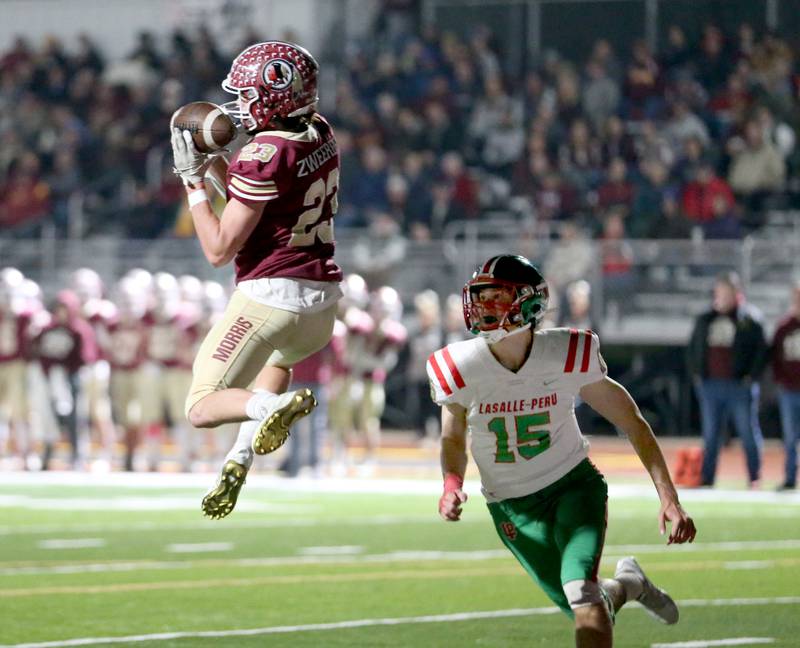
[[656, 602], [274, 429], [221, 499]]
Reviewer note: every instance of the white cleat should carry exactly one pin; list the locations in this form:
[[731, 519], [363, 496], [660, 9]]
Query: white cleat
[[655, 601], [274, 428]]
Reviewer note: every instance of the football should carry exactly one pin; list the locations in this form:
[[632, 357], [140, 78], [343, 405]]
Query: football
[[210, 127]]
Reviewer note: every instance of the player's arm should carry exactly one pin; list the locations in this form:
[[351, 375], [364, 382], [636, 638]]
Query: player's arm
[[221, 238], [611, 400], [454, 461]]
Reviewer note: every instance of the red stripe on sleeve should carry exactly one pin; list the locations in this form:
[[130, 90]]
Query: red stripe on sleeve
[[452, 367], [569, 365], [587, 349], [439, 375]]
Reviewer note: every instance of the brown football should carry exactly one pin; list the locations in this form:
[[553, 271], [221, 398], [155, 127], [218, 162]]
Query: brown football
[[211, 128]]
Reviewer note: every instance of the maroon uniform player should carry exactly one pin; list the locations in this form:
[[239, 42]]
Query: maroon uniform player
[[14, 327], [278, 226], [126, 348], [63, 347]]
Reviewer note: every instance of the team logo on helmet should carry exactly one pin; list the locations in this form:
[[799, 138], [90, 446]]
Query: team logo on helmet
[[278, 74]]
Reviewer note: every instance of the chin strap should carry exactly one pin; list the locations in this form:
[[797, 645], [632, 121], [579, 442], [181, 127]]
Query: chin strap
[[498, 334]]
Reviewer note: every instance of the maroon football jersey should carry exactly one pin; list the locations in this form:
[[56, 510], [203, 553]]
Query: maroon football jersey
[[127, 343], [169, 343], [297, 175], [13, 336]]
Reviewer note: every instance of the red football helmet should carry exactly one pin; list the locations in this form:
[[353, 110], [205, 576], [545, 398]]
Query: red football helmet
[[271, 79]]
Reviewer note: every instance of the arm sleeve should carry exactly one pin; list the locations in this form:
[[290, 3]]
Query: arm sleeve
[[257, 173], [592, 366], [443, 389]]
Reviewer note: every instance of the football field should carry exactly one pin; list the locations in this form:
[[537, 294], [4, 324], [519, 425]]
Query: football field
[[129, 560]]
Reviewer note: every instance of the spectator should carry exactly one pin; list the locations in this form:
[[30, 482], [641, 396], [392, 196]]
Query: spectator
[[724, 223], [569, 259], [25, 197], [425, 337], [757, 167], [786, 369], [649, 196], [672, 223], [580, 157], [700, 194], [713, 63], [601, 95], [682, 124], [578, 314], [616, 256], [644, 89], [617, 190], [726, 356]]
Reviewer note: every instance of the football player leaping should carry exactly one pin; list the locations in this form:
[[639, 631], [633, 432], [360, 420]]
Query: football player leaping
[[278, 227], [514, 388]]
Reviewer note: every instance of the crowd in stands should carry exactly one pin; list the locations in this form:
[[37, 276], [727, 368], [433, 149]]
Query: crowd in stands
[[432, 129]]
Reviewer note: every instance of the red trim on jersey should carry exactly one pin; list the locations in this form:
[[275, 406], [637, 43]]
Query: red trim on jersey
[[439, 375], [569, 365], [452, 367], [587, 348]]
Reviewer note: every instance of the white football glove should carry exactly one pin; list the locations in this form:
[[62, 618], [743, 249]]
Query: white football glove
[[190, 164]]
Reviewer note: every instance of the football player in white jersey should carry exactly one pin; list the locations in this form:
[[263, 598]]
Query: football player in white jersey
[[513, 389]]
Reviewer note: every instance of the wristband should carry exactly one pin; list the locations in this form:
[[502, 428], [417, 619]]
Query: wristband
[[196, 197], [453, 482]]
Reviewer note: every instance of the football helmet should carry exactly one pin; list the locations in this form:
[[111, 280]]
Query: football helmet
[[385, 303], [271, 79], [495, 318]]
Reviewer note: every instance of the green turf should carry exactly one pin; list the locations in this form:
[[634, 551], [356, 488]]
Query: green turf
[[155, 591]]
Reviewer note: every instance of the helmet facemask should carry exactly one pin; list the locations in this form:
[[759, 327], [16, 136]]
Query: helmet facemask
[[525, 305]]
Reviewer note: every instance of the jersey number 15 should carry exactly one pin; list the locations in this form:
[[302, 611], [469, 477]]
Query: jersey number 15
[[530, 442]]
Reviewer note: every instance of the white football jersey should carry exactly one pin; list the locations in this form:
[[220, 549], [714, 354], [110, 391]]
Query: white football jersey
[[522, 425]]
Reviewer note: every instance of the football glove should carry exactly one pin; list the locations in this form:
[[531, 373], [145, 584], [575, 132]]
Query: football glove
[[190, 164]]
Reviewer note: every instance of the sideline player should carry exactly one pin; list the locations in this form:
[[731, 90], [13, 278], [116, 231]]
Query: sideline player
[[513, 387], [278, 226]]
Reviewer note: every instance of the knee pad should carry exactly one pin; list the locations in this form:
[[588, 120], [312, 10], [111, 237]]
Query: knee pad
[[581, 593]]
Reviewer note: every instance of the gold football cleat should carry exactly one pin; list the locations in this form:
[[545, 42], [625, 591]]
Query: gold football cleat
[[221, 499], [274, 430]]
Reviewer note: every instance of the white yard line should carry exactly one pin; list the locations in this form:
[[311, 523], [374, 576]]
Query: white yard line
[[205, 525], [199, 547], [71, 543], [341, 550], [149, 504], [332, 485], [749, 564], [347, 556], [364, 623], [735, 641]]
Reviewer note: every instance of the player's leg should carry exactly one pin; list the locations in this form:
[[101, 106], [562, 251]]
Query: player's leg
[[177, 383], [19, 411], [711, 412], [249, 336], [280, 341], [743, 403], [789, 405], [579, 530], [525, 526]]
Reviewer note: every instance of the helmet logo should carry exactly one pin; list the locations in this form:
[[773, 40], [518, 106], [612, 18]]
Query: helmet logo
[[278, 74]]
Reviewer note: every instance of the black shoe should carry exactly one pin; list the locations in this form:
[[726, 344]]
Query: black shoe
[[786, 486]]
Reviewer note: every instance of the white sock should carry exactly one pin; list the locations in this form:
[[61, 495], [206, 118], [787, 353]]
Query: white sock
[[260, 404], [242, 451], [633, 586]]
